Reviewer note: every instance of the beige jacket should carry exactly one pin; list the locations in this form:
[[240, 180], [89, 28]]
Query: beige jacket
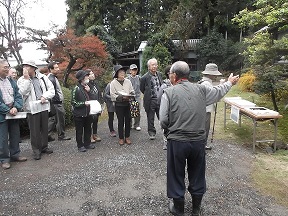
[[116, 87]]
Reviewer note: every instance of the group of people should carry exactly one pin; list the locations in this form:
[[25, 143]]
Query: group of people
[[181, 106]]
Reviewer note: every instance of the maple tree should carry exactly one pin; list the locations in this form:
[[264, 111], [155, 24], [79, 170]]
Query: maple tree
[[75, 53]]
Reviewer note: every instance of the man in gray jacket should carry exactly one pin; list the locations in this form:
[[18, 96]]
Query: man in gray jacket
[[150, 84], [182, 115]]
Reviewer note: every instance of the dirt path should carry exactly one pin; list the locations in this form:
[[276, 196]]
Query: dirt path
[[125, 180]]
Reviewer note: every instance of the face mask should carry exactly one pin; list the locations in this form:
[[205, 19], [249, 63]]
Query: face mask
[[86, 81]]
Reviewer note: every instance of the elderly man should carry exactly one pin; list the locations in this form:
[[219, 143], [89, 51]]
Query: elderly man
[[150, 85], [10, 103], [57, 102], [36, 90], [182, 115], [13, 74], [209, 75]]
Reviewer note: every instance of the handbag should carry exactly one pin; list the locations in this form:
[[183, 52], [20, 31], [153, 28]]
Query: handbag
[[134, 108]]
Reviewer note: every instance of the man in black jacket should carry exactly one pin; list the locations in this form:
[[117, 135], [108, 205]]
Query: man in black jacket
[[150, 85], [57, 101]]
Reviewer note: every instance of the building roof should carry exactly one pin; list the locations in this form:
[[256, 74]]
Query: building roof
[[189, 44]]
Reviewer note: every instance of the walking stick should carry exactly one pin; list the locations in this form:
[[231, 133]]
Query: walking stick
[[213, 129]]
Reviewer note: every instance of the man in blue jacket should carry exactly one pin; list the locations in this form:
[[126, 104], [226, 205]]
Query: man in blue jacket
[[10, 103]]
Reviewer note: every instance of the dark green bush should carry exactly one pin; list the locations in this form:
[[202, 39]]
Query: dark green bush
[[67, 106]]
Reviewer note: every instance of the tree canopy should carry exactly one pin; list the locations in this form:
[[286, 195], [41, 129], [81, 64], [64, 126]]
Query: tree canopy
[[129, 22], [268, 45], [75, 53]]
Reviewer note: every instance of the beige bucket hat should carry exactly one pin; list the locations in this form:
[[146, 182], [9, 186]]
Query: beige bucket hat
[[30, 63], [211, 69]]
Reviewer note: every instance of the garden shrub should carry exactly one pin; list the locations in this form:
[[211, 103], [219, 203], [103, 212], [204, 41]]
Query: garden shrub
[[247, 81], [67, 106]]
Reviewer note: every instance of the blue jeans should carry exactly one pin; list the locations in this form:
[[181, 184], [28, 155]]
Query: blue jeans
[[9, 149]]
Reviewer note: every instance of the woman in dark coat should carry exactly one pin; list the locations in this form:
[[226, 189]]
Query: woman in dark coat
[[81, 108], [95, 95]]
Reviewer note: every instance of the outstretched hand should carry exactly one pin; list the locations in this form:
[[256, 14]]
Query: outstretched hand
[[233, 79]]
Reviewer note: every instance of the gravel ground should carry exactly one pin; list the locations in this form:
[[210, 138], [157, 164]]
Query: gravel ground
[[125, 180]]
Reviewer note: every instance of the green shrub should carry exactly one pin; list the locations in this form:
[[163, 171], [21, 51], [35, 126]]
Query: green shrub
[[67, 106]]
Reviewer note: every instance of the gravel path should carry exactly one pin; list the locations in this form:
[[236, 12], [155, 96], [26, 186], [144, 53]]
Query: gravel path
[[125, 180]]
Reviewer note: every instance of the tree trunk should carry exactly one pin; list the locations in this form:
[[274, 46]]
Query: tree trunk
[[273, 97], [68, 71]]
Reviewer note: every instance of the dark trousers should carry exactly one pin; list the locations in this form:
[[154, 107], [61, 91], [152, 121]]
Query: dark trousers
[[124, 117], [178, 154], [153, 109], [38, 125], [9, 149], [83, 130], [110, 121], [95, 119], [58, 120]]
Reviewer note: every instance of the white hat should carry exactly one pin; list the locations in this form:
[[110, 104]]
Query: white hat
[[211, 69], [30, 63], [133, 66]]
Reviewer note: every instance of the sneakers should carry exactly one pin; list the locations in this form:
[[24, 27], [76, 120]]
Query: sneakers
[[64, 138], [50, 138], [91, 146], [113, 134], [138, 128], [152, 137], [6, 165], [47, 151], [82, 149], [18, 159], [36, 156], [208, 147]]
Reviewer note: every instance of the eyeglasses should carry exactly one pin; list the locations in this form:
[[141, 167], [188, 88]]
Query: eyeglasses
[[6, 67]]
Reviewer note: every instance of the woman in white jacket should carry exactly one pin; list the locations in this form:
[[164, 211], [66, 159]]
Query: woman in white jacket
[[34, 86]]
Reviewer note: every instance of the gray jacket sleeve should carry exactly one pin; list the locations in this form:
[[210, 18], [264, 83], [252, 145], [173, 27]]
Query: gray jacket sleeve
[[215, 93], [164, 112]]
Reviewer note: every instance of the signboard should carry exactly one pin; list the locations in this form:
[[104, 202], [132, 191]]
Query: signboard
[[235, 114]]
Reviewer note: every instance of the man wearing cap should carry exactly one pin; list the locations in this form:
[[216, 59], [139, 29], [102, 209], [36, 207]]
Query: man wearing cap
[[150, 85], [10, 103], [182, 112], [209, 75], [81, 109], [57, 101], [135, 80], [34, 87]]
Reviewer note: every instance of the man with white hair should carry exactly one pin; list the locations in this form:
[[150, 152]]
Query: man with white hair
[[182, 111], [36, 87], [150, 85], [10, 103]]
